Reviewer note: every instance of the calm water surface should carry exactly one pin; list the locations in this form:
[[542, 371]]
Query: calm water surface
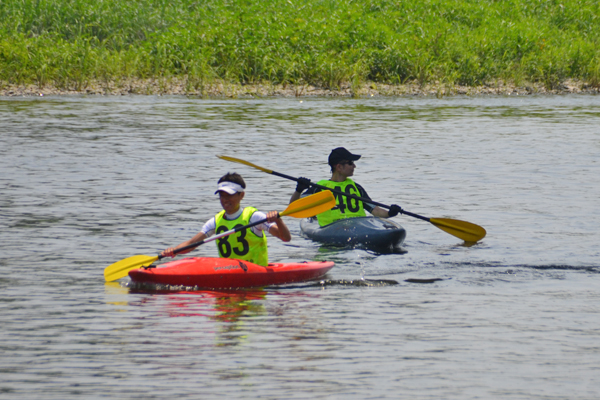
[[85, 182]]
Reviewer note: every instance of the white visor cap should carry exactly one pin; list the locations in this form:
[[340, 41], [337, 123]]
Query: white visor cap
[[229, 187]]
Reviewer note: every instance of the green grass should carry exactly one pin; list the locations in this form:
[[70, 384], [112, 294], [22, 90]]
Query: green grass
[[327, 43]]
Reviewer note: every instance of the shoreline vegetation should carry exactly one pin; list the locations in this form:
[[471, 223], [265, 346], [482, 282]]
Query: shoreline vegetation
[[264, 48], [180, 87]]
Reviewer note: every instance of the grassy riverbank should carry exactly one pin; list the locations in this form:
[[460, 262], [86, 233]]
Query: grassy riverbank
[[197, 47]]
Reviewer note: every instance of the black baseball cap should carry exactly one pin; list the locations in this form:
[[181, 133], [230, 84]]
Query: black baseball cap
[[341, 154]]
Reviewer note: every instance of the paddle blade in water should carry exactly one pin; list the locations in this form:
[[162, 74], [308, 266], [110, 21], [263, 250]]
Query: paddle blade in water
[[120, 269], [310, 206], [461, 229]]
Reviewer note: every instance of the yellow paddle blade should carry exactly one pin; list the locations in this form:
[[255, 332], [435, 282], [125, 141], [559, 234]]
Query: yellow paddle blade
[[237, 160], [461, 229], [310, 206], [120, 269]]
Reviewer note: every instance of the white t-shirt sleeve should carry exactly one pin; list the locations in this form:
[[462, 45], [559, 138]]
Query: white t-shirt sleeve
[[209, 227], [265, 226]]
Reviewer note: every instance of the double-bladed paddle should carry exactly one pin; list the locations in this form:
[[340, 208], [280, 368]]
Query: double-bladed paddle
[[303, 208], [461, 229]]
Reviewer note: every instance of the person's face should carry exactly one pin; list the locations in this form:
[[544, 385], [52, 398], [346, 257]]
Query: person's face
[[346, 168], [230, 202]]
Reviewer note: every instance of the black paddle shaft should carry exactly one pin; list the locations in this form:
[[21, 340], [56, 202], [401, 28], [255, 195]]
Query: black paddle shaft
[[229, 232], [352, 196]]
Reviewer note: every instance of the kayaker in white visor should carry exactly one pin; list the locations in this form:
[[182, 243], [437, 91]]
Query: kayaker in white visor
[[247, 244]]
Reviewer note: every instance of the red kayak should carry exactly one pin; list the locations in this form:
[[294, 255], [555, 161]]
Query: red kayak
[[225, 273]]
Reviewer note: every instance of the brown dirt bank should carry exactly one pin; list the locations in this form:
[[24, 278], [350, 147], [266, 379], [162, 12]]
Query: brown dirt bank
[[179, 86]]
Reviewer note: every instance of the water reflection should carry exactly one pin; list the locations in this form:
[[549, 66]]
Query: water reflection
[[114, 291], [325, 250], [225, 305]]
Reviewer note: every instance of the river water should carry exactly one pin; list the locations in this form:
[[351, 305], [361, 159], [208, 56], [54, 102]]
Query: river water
[[87, 181]]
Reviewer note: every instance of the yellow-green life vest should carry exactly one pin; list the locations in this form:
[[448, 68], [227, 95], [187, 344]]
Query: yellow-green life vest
[[346, 207], [242, 245]]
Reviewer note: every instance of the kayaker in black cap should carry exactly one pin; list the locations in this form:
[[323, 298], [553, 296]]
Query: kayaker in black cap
[[342, 166], [249, 245]]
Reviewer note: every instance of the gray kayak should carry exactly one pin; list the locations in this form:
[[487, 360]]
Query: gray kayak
[[363, 232]]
